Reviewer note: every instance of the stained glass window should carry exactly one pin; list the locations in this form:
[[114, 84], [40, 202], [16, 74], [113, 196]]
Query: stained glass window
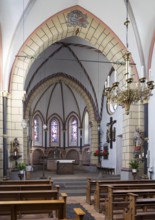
[[86, 128], [54, 131], [37, 130], [73, 127]]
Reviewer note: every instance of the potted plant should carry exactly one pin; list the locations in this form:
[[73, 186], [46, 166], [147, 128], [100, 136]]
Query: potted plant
[[21, 166], [134, 165], [105, 153]]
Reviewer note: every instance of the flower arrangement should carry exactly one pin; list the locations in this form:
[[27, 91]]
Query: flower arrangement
[[101, 153], [97, 153], [105, 153]]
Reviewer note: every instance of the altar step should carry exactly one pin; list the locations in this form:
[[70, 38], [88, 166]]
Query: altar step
[[77, 187], [73, 187]]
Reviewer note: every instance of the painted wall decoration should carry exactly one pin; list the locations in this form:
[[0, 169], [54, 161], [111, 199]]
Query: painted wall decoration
[[77, 18]]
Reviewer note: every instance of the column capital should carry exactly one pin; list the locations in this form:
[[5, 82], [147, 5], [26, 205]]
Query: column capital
[[5, 93]]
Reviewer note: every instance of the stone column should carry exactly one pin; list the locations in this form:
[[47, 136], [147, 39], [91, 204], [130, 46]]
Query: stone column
[[94, 142], [134, 120], [5, 147]]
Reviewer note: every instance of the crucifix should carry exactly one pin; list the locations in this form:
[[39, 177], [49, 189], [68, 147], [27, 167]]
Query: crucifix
[[111, 132]]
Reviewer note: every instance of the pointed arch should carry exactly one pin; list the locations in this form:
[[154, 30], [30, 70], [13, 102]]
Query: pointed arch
[[55, 128], [37, 129], [97, 33]]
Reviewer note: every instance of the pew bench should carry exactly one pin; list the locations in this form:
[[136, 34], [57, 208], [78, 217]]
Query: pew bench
[[102, 190], [14, 208], [29, 195], [118, 199], [25, 182], [92, 186], [26, 187], [139, 208]]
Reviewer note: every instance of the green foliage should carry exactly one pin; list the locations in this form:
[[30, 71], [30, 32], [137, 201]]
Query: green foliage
[[134, 164], [21, 166]]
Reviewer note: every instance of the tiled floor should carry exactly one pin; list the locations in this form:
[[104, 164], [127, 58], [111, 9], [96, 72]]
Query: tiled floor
[[77, 199], [89, 208], [72, 200]]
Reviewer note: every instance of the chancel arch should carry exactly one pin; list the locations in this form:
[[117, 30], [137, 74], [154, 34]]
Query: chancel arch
[[96, 33]]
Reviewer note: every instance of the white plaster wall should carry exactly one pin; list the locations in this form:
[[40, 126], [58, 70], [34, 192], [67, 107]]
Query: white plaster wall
[[111, 162], [151, 126]]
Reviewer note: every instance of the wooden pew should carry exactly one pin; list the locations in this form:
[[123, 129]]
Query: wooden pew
[[25, 187], [34, 207], [29, 195], [92, 186], [25, 182], [102, 191], [139, 208], [38, 206], [118, 199]]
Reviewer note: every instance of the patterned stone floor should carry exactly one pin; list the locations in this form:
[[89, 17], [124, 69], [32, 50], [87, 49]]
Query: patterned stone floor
[[70, 200]]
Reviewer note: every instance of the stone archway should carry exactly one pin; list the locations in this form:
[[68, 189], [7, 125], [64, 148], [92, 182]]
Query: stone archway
[[76, 85], [53, 29]]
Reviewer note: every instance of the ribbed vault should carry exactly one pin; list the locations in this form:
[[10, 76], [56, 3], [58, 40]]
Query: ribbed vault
[[54, 29]]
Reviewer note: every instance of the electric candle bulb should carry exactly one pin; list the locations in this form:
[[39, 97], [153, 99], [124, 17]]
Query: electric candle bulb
[[106, 84], [108, 81], [115, 76], [129, 71], [150, 77], [142, 71]]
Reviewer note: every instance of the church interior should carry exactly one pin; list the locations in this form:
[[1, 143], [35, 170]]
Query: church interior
[[77, 90]]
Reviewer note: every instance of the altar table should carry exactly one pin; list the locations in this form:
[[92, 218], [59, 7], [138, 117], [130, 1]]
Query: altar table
[[65, 166]]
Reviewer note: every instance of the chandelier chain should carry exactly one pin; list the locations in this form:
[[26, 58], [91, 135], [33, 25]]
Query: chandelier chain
[[128, 91]]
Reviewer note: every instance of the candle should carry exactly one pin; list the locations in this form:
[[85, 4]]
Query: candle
[[142, 71], [115, 76], [105, 84], [127, 65], [150, 77], [129, 72], [108, 81]]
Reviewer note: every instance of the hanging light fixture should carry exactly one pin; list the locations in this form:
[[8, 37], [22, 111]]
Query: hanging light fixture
[[132, 91]]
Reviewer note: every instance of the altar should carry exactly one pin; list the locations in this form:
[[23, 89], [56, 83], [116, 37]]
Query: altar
[[65, 166]]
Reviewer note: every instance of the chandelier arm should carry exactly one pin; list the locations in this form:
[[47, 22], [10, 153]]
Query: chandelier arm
[[130, 91]]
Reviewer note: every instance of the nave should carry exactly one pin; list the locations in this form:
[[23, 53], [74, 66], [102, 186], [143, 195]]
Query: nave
[[97, 197]]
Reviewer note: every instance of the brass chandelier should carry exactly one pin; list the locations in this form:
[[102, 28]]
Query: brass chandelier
[[132, 91]]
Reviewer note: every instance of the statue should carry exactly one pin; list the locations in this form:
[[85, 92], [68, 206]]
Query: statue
[[138, 137], [15, 146]]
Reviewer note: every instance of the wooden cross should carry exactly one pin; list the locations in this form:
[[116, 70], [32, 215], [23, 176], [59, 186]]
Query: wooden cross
[[111, 132]]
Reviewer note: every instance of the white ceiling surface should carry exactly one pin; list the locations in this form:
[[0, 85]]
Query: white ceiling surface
[[111, 12], [61, 63]]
